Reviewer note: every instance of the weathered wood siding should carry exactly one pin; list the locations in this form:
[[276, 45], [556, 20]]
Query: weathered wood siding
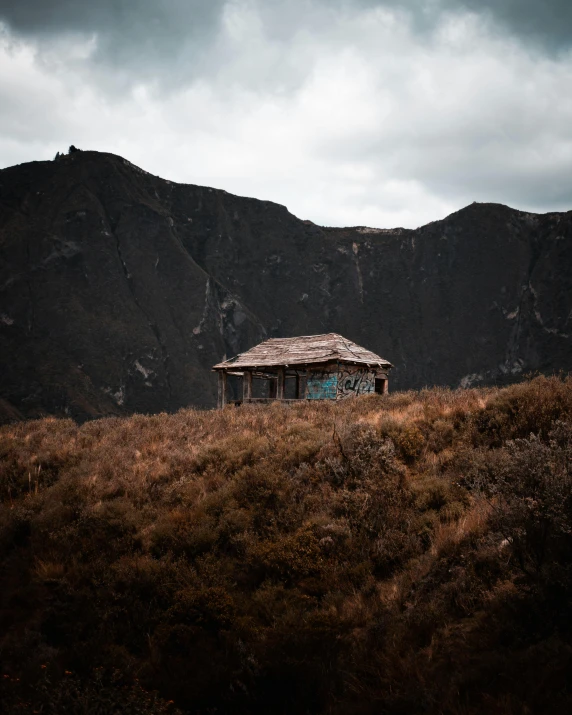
[[353, 381]]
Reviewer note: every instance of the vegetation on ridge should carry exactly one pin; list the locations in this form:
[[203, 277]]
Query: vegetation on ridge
[[401, 554]]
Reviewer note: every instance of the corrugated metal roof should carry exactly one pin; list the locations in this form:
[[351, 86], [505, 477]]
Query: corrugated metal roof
[[304, 350]]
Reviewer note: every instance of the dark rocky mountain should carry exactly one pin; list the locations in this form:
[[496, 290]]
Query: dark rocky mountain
[[119, 290]]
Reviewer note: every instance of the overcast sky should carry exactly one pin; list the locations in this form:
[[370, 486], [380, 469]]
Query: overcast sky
[[349, 112]]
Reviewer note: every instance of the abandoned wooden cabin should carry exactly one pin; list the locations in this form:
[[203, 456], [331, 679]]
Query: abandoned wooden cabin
[[310, 367]]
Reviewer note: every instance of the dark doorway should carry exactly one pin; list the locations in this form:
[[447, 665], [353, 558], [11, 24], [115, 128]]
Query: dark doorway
[[380, 386]]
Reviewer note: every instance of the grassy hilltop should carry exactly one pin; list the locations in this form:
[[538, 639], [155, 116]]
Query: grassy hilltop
[[401, 554]]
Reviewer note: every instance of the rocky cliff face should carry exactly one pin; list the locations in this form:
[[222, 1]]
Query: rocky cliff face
[[119, 290]]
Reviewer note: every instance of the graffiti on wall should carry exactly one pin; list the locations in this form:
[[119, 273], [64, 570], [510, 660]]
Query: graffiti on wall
[[322, 385], [355, 381], [348, 381]]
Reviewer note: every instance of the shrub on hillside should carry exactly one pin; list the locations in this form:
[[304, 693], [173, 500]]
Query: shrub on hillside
[[399, 554], [523, 409], [64, 693], [530, 488]]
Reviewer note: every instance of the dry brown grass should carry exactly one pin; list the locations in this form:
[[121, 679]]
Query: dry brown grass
[[315, 557]]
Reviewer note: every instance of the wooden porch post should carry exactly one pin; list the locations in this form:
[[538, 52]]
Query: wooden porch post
[[280, 385], [246, 386], [221, 388], [385, 386]]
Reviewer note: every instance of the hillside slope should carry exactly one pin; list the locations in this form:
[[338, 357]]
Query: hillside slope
[[119, 290], [402, 554]]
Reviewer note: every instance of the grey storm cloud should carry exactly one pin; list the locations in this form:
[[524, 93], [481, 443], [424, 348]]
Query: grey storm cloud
[[547, 23], [137, 35], [141, 32], [126, 18], [172, 43]]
